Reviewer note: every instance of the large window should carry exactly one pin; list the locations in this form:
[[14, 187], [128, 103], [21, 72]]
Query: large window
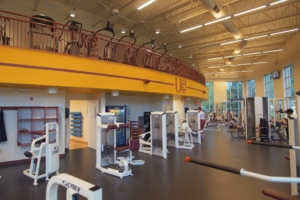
[[234, 96], [288, 85], [208, 106], [269, 85], [251, 88]]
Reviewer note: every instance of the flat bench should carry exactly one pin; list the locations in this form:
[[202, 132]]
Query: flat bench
[[279, 195], [231, 131]]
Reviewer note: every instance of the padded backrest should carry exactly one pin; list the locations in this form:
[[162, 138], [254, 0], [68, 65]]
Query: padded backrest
[[134, 144], [184, 125]]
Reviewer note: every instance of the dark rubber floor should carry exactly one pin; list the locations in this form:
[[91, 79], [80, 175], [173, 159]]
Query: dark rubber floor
[[170, 178]]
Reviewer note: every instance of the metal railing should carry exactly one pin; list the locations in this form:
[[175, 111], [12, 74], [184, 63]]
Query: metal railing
[[23, 31]]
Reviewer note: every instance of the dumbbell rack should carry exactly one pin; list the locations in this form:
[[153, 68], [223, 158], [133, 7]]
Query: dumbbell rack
[[76, 124]]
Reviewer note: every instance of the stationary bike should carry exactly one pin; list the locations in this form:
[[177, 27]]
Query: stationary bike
[[52, 154]]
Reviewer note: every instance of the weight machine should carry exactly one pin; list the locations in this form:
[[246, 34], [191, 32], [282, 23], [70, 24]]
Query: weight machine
[[52, 154], [74, 45], [172, 128], [127, 52], [193, 120], [256, 109], [147, 57], [42, 25], [106, 160], [75, 187]]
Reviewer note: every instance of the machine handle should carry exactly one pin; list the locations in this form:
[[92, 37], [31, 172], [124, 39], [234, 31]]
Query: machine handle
[[216, 166], [271, 145]]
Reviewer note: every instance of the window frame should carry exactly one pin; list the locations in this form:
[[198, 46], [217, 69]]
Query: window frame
[[250, 84], [268, 83]]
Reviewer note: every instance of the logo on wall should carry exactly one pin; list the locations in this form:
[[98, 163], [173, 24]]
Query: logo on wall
[[180, 85]]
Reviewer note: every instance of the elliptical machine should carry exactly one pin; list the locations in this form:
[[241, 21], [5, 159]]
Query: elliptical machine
[[126, 55], [73, 46], [52, 154], [147, 57]]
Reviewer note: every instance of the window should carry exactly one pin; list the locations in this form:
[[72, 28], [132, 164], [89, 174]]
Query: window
[[269, 85], [208, 106], [234, 93], [251, 88], [288, 85]]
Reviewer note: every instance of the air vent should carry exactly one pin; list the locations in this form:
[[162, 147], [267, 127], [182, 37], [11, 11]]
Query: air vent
[[216, 8]]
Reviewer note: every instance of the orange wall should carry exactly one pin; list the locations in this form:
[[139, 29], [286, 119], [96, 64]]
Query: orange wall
[[23, 66]]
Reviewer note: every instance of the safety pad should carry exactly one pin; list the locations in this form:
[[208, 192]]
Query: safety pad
[[279, 195], [111, 126], [123, 125], [123, 148], [134, 144], [28, 154]]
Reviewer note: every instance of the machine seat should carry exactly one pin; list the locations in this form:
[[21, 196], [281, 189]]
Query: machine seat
[[134, 145], [123, 148], [123, 125], [28, 154], [112, 126], [279, 195]]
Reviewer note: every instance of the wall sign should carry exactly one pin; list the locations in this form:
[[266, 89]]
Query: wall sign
[[180, 85]]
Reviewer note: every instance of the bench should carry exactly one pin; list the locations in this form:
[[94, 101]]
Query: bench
[[237, 130]]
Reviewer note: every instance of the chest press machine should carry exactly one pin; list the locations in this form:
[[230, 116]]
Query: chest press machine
[[193, 120], [52, 154], [75, 187], [156, 144], [106, 160]]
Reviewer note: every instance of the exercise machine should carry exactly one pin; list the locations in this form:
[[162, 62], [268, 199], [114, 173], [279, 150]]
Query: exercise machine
[[36, 153], [74, 45], [42, 25], [127, 52], [172, 128], [193, 119], [74, 186], [268, 192], [185, 137], [256, 108], [4, 37], [147, 56], [209, 123], [155, 141], [106, 160], [157, 61]]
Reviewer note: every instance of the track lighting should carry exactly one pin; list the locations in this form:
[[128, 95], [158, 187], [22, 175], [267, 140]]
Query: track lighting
[[123, 30], [72, 13]]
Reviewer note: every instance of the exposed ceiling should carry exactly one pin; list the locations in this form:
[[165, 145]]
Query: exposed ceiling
[[173, 16]]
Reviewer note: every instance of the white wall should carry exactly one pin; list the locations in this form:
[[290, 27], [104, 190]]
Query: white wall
[[138, 105], [178, 105], [10, 150], [80, 106]]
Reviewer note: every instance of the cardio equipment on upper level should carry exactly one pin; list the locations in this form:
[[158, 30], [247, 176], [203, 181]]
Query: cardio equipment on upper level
[[147, 55], [5, 39], [40, 26], [73, 37]]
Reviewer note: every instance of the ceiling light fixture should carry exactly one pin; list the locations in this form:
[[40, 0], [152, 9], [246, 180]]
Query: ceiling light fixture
[[188, 98], [189, 29], [179, 46], [234, 72], [247, 71], [52, 90], [72, 13], [217, 58], [270, 51], [209, 73], [257, 63], [287, 31], [233, 56], [123, 30], [277, 2], [251, 10], [114, 93], [211, 67], [218, 20], [233, 76], [190, 56], [254, 53], [243, 64], [255, 37], [145, 4], [224, 43], [166, 96], [157, 31]]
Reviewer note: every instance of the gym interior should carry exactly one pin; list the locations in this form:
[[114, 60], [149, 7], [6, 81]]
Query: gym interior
[[149, 99]]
